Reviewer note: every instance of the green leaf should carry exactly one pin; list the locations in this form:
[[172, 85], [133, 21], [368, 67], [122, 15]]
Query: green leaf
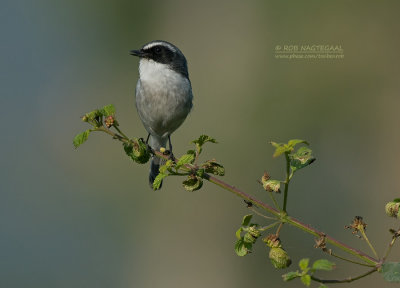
[[391, 271], [301, 158], [276, 145], [306, 279], [185, 159], [81, 138], [137, 150], [323, 264], [164, 168], [201, 141], [248, 238], [108, 110], [193, 183], [238, 233], [94, 114], [246, 220], [157, 182], [396, 200], [303, 263], [290, 276], [242, 248], [294, 142], [280, 149], [212, 166], [322, 286]]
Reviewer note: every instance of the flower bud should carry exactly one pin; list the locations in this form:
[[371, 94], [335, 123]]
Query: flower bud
[[392, 209], [109, 121], [279, 258]]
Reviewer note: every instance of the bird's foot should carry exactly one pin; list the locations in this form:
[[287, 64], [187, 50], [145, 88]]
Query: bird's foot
[[149, 149], [170, 155]]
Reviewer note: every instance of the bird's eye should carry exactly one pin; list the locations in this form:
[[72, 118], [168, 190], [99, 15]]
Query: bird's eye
[[157, 50]]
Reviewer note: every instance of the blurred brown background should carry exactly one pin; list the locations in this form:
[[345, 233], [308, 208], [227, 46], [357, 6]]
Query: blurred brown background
[[87, 218]]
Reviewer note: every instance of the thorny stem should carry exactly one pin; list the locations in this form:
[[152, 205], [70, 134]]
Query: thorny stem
[[284, 218], [366, 239], [307, 228], [347, 280]]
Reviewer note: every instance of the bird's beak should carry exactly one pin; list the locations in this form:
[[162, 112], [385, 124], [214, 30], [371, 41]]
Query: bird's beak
[[138, 53]]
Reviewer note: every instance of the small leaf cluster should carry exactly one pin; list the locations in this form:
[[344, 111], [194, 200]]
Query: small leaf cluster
[[306, 272], [199, 142], [137, 150], [94, 118], [188, 162], [103, 120], [298, 159], [245, 242]]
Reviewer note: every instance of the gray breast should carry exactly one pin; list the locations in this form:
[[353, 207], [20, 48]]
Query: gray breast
[[163, 100]]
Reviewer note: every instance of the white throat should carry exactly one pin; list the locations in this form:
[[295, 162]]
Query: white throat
[[152, 71]]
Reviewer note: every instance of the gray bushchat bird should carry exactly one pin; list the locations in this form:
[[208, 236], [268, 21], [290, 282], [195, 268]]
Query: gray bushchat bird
[[163, 95]]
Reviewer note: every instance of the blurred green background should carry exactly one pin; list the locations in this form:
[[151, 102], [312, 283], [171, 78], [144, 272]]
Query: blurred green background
[[87, 218]]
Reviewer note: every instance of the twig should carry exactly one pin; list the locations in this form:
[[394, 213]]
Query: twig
[[347, 260], [279, 229], [347, 280], [260, 214], [285, 193], [362, 230], [395, 236]]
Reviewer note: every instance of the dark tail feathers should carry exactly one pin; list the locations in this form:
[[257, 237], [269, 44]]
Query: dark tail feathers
[[154, 171]]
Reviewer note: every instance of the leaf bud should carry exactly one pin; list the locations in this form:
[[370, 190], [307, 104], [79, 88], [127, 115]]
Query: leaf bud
[[279, 258]]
